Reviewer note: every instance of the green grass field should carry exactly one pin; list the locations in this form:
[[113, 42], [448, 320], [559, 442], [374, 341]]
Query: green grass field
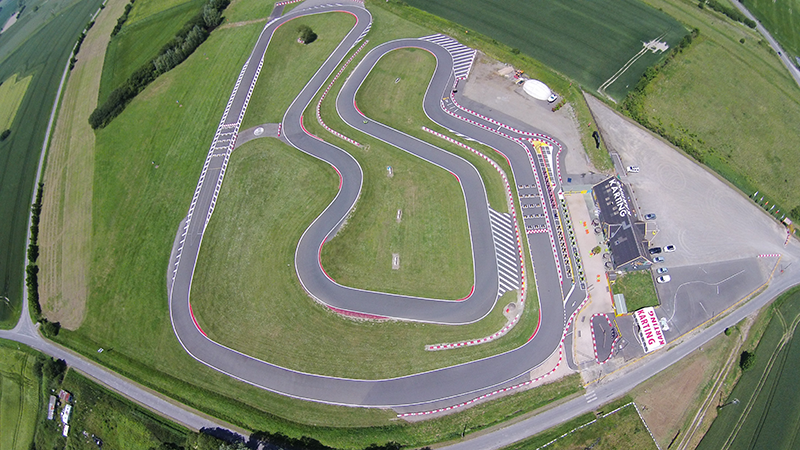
[[129, 49], [704, 97], [778, 17], [41, 53], [432, 237], [606, 429], [586, 41], [638, 289], [288, 65], [767, 414], [11, 93], [19, 398]]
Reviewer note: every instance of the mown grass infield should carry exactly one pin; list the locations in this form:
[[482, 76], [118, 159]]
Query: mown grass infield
[[432, 235], [586, 41], [19, 398], [765, 412], [638, 289]]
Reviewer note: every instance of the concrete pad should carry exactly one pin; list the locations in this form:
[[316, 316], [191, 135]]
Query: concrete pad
[[259, 131], [486, 86], [705, 218]]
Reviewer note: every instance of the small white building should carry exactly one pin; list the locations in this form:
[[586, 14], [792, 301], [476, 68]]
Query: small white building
[[536, 89], [66, 431]]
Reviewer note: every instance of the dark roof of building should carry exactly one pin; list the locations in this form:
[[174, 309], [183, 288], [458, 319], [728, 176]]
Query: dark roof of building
[[625, 235]]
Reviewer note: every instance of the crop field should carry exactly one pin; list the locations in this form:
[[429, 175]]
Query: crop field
[[43, 54], [704, 98], [11, 93], [638, 289], [778, 17], [586, 41], [763, 410], [19, 399], [614, 426], [127, 51]]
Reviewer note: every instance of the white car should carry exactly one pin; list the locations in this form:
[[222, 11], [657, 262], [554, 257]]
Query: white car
[[661, 270], [663, 279], [633, 169], [553, 97], [669, 248]]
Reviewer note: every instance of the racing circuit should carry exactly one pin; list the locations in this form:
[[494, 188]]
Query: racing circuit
[[537, 180]]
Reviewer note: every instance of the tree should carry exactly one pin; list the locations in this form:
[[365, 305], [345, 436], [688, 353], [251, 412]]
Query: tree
[[4, 135], [747, 360], [307, 35]]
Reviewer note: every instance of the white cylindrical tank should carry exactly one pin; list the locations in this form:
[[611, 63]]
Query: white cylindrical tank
[[536, 89]]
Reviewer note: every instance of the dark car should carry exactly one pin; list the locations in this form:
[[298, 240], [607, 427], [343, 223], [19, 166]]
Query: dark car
[[650, 216], [654, 250]]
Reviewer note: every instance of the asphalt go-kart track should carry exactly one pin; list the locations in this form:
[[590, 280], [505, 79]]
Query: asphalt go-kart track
[[555, 266]]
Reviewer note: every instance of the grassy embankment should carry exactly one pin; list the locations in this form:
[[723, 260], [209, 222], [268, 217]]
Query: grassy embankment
[[638, 289], [39, 44], [777, 16], [705, 100], [19, 398], [605, 429], [127, 51], [767, 398], [66, 221], [126, 306]]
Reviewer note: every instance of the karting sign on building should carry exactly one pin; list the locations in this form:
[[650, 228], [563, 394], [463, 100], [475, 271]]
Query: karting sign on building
[[650, 333]]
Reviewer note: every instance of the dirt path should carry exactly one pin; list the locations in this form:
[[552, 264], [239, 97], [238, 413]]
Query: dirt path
[[66, 225]]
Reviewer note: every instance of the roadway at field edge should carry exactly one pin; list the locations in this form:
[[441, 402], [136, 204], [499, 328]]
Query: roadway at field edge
[[415, 389]]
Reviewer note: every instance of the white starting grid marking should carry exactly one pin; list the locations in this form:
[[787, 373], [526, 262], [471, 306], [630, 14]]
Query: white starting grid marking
[[463, 56], [505, 247]]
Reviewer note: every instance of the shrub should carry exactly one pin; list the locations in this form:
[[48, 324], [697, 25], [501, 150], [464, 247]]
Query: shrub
[[747, 360], [307, 35], [5, 134]]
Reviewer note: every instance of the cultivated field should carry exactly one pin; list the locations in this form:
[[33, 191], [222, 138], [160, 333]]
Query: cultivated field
[[586, 41], [66, 220], [638, 289], [11, 93], [614, 426], [19, 399], [766, 412], [705, 97], [778, 17], [41, 52], [158, 21]]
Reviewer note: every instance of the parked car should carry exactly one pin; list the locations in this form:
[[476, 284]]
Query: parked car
[[553, 97], [662, 270], [650, 216], [669, 248], [663, 279], [658, 259], [633, 169], [654, 250]]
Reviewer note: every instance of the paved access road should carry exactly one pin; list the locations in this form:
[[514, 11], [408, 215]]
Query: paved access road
[[418, 389]]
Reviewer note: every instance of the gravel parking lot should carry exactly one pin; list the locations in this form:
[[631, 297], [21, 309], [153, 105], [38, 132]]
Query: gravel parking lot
[[702, 216]]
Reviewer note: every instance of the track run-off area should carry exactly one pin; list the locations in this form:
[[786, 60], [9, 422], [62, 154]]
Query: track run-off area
[[536, 179]]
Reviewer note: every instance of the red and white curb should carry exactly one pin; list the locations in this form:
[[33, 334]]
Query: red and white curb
[[510, 388], [594, 341], [325, 93], [287, 2], [770, 255], [470, 343]]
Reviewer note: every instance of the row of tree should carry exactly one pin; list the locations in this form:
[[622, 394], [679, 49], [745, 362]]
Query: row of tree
[[185, 42], [122, 19], [731, 12], [78, 44], [32, 269]]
